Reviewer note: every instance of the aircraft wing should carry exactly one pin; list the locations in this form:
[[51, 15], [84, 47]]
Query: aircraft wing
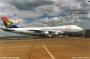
[[38, 31]]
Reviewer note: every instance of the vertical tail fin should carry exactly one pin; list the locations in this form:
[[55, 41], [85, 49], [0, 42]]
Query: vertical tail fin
[[7, 23]]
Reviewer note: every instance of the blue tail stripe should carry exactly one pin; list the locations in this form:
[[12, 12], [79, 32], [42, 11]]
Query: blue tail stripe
[[13, 26]]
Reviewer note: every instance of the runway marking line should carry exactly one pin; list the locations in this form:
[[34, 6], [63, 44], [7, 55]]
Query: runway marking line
[[46, 49]]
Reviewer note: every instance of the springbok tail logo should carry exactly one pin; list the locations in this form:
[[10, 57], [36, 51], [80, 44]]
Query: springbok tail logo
[[7, 23]]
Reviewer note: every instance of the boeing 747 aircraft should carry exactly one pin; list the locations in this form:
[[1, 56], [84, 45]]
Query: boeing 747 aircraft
[[39, 31]]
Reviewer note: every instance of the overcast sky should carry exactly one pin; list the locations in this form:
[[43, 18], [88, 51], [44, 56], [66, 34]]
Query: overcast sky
[[28, 13]]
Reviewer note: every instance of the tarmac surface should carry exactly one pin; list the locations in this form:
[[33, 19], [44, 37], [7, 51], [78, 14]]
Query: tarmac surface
[[45, 48]]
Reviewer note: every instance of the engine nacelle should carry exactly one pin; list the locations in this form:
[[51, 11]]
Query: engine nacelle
[[46, 32], [58, 32]]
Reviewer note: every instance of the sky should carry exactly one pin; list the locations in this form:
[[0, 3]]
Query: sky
[[38, 13]]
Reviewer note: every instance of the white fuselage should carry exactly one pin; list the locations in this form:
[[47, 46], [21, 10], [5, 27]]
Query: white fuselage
[[46, 30]]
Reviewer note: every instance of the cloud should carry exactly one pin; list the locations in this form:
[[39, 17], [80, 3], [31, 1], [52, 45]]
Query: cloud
[[30, 4], [56, 21], [36, 8]]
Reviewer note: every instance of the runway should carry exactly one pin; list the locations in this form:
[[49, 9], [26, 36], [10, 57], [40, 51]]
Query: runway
[[45, 48]]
